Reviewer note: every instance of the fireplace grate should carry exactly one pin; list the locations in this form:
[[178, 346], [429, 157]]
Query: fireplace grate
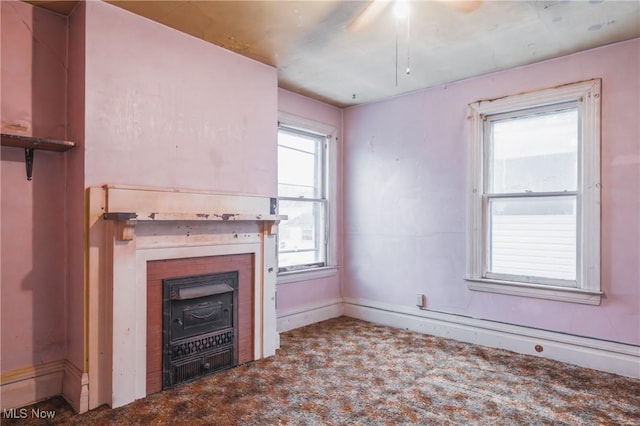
[[199, 326], [201, 344], [195, 368]]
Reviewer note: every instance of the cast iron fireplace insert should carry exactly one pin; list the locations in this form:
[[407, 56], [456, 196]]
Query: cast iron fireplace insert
[[199, 326]]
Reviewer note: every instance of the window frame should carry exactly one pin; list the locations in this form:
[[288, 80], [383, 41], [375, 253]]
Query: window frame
[[587, 288], [297, 124], [489, 195]]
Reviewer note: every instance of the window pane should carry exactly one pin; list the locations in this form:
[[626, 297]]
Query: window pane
[[301, 236], [535, 153], [299, 165], [534, 237]]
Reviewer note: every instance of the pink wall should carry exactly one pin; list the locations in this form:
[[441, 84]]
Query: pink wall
[[166, 109], [33, 213], [405, 174], [143, 117], [296, 294]]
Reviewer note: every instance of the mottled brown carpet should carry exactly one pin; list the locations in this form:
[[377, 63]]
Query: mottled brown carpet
[[349, 372]]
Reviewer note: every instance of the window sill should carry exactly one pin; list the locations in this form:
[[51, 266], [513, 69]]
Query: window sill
[[307, 274], [564, 294]]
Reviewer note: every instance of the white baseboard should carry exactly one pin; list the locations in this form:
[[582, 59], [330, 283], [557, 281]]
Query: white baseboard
[[28, 385], [75, 387], [597, 354], [309, 314]]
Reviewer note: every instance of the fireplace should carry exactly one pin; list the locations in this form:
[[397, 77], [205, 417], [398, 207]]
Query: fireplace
[[200, 326], [131, 228]]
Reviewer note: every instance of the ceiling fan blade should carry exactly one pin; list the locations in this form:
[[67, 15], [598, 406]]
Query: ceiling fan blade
[[368, 15], [376, 7]]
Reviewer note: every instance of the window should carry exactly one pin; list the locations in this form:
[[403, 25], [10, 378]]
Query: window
[[303, 239], [534, 194]]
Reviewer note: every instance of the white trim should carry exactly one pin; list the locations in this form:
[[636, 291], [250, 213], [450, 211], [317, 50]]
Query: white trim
[[590, 213], [309, 314], [331, 160], [612, 357], [588, 275], [75, 387], [306, 124], [565, 294], [554, 95], [129, 347], [28, 385], [306, 275]]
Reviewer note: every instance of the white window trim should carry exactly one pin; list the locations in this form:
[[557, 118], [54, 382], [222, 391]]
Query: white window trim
[[588, 276], [307, 274], [305, 124]]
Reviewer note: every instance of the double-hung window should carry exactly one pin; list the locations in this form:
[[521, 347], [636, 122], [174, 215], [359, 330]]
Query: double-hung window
[[303, 197], [534, 204]]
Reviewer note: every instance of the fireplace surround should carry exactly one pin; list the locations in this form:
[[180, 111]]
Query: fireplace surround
[[131, 226]]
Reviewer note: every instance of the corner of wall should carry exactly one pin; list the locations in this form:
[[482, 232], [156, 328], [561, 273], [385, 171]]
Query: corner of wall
[[75, 387]]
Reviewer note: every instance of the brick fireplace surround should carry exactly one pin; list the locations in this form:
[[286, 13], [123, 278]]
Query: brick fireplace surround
[[171, 268], [132, 230]]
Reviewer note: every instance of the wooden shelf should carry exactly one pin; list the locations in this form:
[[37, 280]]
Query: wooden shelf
[[199, 217], [127, 221], [29, 144]]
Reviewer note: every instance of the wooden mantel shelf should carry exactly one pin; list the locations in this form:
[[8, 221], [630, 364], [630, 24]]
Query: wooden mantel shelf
[[157, 217], [29, 143], [126, 221], [127, 206]]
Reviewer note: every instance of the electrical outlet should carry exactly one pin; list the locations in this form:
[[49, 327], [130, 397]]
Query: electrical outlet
[[421, 301]]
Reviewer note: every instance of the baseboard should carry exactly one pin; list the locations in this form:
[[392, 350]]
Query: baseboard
[[597, 354], [28, 385], [309, 314], [75, 387]]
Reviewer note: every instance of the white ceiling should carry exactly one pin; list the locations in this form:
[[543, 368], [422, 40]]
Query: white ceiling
[[317, 52]]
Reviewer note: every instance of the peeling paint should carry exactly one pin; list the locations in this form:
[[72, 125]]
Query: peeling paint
[[226, 216], [485, 101]]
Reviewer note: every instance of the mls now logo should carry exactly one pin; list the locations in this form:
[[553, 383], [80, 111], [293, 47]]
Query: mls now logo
[[23, 413], [15, 413]]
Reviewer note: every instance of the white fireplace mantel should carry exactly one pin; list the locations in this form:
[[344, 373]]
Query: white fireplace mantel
[[130, 226], [130, 205]]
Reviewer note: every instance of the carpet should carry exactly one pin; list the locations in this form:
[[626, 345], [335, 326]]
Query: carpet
[[350, 372]]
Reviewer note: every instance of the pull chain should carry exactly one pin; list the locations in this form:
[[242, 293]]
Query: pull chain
[[397, 52], [402, 11]]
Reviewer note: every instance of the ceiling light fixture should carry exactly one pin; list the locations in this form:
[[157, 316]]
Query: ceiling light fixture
[[401, 9]]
